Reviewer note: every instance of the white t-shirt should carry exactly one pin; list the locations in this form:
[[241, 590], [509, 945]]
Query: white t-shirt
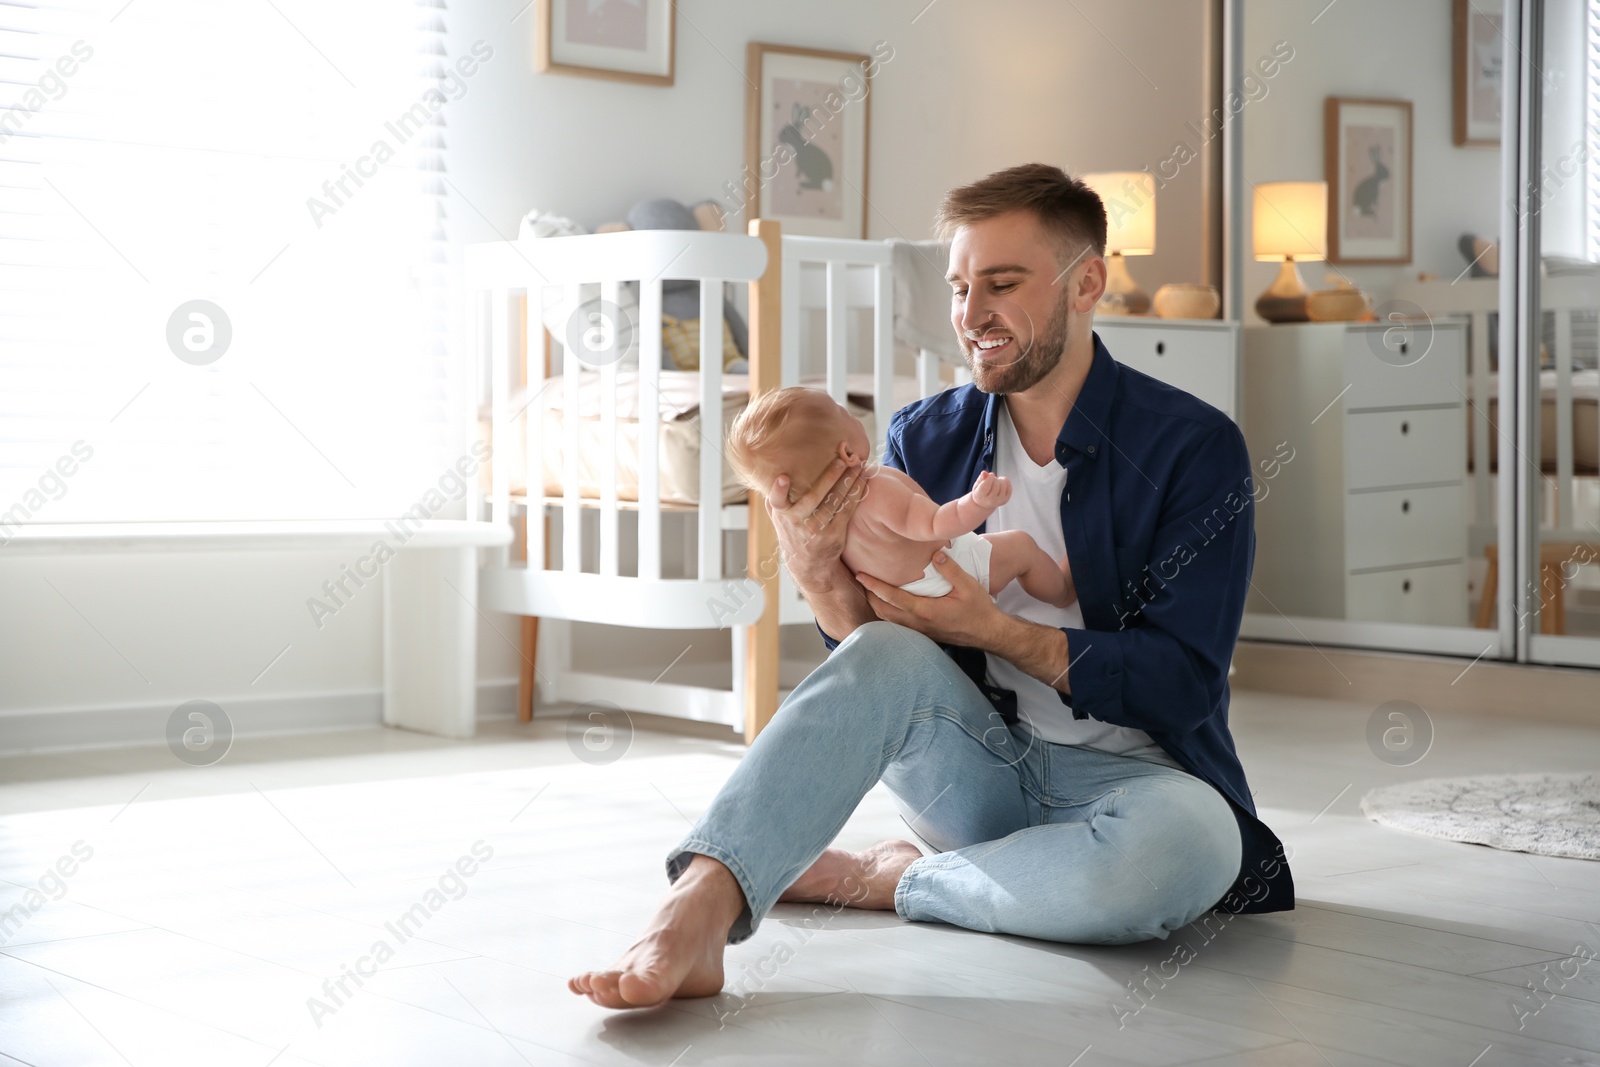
[[1035, 507]]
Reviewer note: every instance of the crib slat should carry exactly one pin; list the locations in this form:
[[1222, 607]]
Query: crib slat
[[533, 416], [500, 310], [791, 314], [711, 430], [838, 331], [571, 516], [649, 328], [1483, 502], [610, 296], [882, 357], [1564, 512]]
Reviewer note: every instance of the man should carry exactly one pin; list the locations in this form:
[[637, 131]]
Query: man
[[1071, 769]]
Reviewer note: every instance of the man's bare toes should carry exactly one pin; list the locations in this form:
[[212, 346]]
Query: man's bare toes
[[604, 991], [642, 989]]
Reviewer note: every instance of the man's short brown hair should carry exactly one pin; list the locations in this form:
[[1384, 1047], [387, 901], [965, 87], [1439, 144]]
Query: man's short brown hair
[[1068, 209]]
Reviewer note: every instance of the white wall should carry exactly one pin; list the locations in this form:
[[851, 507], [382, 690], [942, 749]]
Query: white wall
[[1377, 49], [971, 89]]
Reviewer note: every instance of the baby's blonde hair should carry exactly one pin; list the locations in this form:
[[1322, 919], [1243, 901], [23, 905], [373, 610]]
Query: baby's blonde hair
[[787, 431]]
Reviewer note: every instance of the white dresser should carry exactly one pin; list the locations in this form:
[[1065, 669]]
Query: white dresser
[[1367, 521], [1199, 356]]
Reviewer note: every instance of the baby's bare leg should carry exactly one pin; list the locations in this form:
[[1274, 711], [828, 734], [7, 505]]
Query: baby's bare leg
[[1016, 556]]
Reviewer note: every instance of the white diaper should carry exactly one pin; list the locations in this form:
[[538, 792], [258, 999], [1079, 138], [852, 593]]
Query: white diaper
[[970, 551]]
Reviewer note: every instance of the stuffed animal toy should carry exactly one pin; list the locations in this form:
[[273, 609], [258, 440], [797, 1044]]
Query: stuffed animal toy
[[538, 223], [680, 300]]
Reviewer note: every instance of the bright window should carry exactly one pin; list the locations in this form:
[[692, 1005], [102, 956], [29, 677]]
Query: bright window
[[278, 160]]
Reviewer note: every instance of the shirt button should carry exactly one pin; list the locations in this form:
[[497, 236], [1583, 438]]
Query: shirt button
[[1091, 450]]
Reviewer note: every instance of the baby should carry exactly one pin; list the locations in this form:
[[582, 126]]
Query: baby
[[896, 527]]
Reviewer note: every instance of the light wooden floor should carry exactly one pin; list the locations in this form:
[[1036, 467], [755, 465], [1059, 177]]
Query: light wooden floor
[[218, 900]]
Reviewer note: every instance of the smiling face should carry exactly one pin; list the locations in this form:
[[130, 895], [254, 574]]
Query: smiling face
[[1014, 299]]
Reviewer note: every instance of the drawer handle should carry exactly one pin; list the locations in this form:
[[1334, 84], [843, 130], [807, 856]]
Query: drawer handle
[[1405, 586], [1161, 348], [1405, 505], [1405, 428]]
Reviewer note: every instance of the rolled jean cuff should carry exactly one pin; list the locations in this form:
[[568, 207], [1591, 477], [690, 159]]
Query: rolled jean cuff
[[745, 925], [902, 890]]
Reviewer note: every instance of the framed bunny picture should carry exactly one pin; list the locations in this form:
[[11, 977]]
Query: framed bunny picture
[[1367, 158], [806, 137]]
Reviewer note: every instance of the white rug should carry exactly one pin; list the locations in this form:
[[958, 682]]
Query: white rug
[[1547, 814]]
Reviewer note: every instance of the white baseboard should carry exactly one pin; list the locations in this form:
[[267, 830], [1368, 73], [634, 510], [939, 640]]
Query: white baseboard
[[253, 716]]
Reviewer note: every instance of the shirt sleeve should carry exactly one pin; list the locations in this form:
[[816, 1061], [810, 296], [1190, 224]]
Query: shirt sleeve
[[893, 456], [1166, 668]]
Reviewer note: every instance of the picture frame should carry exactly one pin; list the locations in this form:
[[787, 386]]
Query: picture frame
[[1477, 51], [620, 40], [1367, 159], [807, 127]]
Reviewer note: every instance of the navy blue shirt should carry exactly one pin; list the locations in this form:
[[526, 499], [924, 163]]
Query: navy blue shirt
[[1158, 517]]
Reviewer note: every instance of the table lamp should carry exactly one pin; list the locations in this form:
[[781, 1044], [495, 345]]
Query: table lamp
[[1291, 225], [1130, 200]]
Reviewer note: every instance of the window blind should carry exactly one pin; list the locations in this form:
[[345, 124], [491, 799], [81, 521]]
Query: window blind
[[222, 259]]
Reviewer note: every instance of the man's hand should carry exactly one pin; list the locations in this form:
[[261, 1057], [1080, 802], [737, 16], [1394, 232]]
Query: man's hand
[[811, 537], [991, 490], [811, 531], [964, 616]]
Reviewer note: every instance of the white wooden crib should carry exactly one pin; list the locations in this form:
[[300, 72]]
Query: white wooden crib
[[789, 278]]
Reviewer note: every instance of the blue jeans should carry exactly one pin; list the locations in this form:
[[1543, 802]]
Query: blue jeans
[[1037, 839]]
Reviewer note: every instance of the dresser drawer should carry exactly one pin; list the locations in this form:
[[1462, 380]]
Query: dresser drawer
[[1430, 596], [1401, 526], [1371, 353], [1199, 359], [1403, 447]]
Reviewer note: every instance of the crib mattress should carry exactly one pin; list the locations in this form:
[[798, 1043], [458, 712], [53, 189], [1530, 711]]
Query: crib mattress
[[680, 437]]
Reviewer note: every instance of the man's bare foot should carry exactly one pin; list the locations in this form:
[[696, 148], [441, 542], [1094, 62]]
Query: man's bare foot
[[860, 879], [680, 954]]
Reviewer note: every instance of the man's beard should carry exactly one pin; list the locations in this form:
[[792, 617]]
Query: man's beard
[[1023, 374]]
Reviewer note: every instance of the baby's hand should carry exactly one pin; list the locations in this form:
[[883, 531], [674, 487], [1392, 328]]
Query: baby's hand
[[991, 490]]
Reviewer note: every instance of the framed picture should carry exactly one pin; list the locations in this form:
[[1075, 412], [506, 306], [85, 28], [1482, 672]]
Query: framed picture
[[1367, 156], [806, 139], [625, 40], [1478, 49]]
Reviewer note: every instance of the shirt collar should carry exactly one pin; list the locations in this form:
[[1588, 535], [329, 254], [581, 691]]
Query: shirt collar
[[1084, 430]]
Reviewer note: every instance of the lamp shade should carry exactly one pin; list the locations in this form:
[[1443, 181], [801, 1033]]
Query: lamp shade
[[1291, 220], [1130, 200]]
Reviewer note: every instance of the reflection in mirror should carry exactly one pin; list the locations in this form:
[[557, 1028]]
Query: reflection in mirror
[[1567, 604], [1369, 392]]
